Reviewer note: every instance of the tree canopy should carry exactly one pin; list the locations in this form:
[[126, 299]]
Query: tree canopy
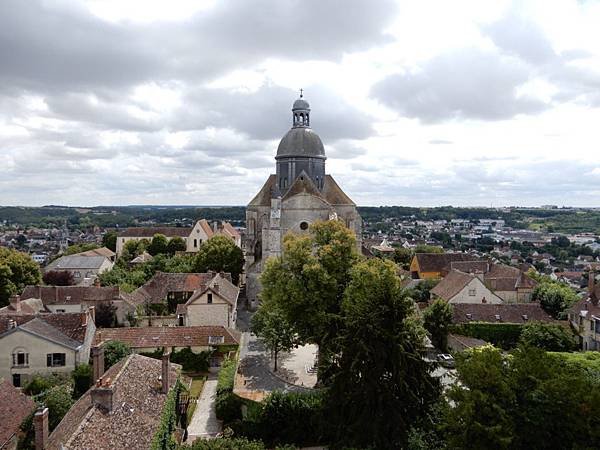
[[548, 336], [17, 270], [437, 320], [220, 254], [554, 297], [158, 245], [273, 329]]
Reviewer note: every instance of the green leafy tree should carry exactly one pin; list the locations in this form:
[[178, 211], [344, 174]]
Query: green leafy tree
[[58, 400], [106, 315], [547, 336], [115, 351], [481, 416], [381, 385], [82, 380], [554, 297], [17, 270], [220, 254], [78, 248], [273, 329], [308, 281], [403, 257], [176, 244], [424, 248], [158, 245], [224, 443], [109, 240], [58, 278], [437, 319], [421, 292]]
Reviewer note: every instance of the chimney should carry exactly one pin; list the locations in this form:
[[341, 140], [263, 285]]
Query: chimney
[[40, 424], [102, 396], [97, 363], [591, 282], [165, 371], [92, 313], [15, 302], [96, 282]]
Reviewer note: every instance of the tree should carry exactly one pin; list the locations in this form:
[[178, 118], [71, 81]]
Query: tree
[[106, 316], [175, 245], [114, 351], [220, 254], [78, 248], [381, 384], [271, 326], [82, 380], [17, 270], [421, 292], [308, 281], [424, 248], [109, 240], [403, 257], [437, 320], [547, 336], [58, 400], [554, 298], [58, 278], [158, 245]]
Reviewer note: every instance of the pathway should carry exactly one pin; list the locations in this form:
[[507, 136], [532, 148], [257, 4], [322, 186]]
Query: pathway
[[204, 423]]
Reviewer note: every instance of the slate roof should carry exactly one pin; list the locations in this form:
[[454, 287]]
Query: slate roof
[[76, 262], [14, 408], [507, 312], [331, 193], [149, 232], [28, 306], [134, 419], [65, 328], [150, 337], [72, 295], [440, 262]]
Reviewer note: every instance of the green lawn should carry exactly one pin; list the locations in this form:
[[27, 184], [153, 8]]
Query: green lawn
[[195, 390]]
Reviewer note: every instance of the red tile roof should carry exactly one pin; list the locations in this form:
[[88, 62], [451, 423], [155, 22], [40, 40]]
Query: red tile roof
[[504, 312], [74, 295], [14, 408], [149, 232]]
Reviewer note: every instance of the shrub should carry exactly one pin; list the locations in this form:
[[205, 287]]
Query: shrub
[[41, 383], [504, 335], [58, 278], [228, 406], [548, 336], [114, 351], [82, 380], [225, 444], [190, 361], [163, 437]]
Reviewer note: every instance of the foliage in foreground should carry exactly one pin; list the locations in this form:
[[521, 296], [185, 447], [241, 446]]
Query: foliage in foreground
[[114, 351], [220, 254], [17, 270], [437, 319], [227, 405]]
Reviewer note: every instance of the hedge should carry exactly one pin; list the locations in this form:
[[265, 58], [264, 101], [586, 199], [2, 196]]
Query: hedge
[[163, 438], [504, 335], [228, 406]]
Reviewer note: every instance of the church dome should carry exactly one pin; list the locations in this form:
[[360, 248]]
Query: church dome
[[301, 104], [302, 142]]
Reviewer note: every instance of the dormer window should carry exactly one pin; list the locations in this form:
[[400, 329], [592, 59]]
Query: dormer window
[[497, 316], [469, 316], [215, 340]]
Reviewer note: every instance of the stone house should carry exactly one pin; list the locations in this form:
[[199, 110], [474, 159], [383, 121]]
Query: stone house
[[208, 299], [584, 317], [44, 344], [193, 236], [73, 299], [85, 269], [461, 287]]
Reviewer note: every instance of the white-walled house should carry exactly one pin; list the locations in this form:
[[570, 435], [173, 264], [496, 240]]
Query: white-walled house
[[44, 344], [461, 287], [85, 269]]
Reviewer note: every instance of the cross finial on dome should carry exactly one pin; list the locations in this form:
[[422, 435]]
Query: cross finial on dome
[[301, 91]]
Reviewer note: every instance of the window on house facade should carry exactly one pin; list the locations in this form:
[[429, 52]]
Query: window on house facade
[[209, 298], [16, 378], [181, 320], [77, 275], [60, 311], [20, 359], [56, 359], [195, 243], [472, 292], [214, 340]]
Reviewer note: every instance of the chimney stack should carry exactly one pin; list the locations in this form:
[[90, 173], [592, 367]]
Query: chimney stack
[[12, 324], [92, 314], [40, 424], [165, 371], [102, 396], [97, 363], [216, 287], [15, 302]]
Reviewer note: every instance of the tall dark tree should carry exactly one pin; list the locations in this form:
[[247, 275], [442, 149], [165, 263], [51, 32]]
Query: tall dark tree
[[158, 245], [437, 320], [382, 385], [58, 278], [272, 328], [106, 316], [176, 244], [109, 240], [220, 254]]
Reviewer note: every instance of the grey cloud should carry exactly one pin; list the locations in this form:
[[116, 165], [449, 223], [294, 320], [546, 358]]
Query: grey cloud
[[465, 84], [440, 142]]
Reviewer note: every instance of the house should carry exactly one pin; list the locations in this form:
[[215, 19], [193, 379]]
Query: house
[[193, 236], [17, 306], [121, 411], [584, 317], [519, 313], [435, 265], [150, 339], [102, 251], [73, 299], [461, 287], [196, 298], [14, 408], [85, 269], [44, 344]]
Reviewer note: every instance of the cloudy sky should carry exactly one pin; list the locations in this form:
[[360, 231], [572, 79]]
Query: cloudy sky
[[183, 102]]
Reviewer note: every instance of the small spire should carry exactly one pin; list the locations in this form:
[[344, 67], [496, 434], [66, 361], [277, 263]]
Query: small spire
[[301, 91]]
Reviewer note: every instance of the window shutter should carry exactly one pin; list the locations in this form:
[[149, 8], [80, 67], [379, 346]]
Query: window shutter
[[49, 360]]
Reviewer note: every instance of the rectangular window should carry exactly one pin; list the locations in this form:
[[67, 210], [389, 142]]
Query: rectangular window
[[195, 243], [55, 359], [472, 292], [16, 379], [209, 298], [60, 310], [77, 275]]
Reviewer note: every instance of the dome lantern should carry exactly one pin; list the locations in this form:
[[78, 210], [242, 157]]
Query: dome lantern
[[301, 112]]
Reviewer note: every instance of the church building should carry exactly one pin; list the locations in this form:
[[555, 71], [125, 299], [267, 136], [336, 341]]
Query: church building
[[298, 194]]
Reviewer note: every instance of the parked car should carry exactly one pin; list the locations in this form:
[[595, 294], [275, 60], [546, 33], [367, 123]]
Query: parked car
[[445, 360]]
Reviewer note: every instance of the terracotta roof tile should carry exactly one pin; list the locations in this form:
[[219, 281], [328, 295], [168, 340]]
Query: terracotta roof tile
[[504, 312], [60, 295], [440, 262], [14, 408], [452, 284], [149, 232]]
